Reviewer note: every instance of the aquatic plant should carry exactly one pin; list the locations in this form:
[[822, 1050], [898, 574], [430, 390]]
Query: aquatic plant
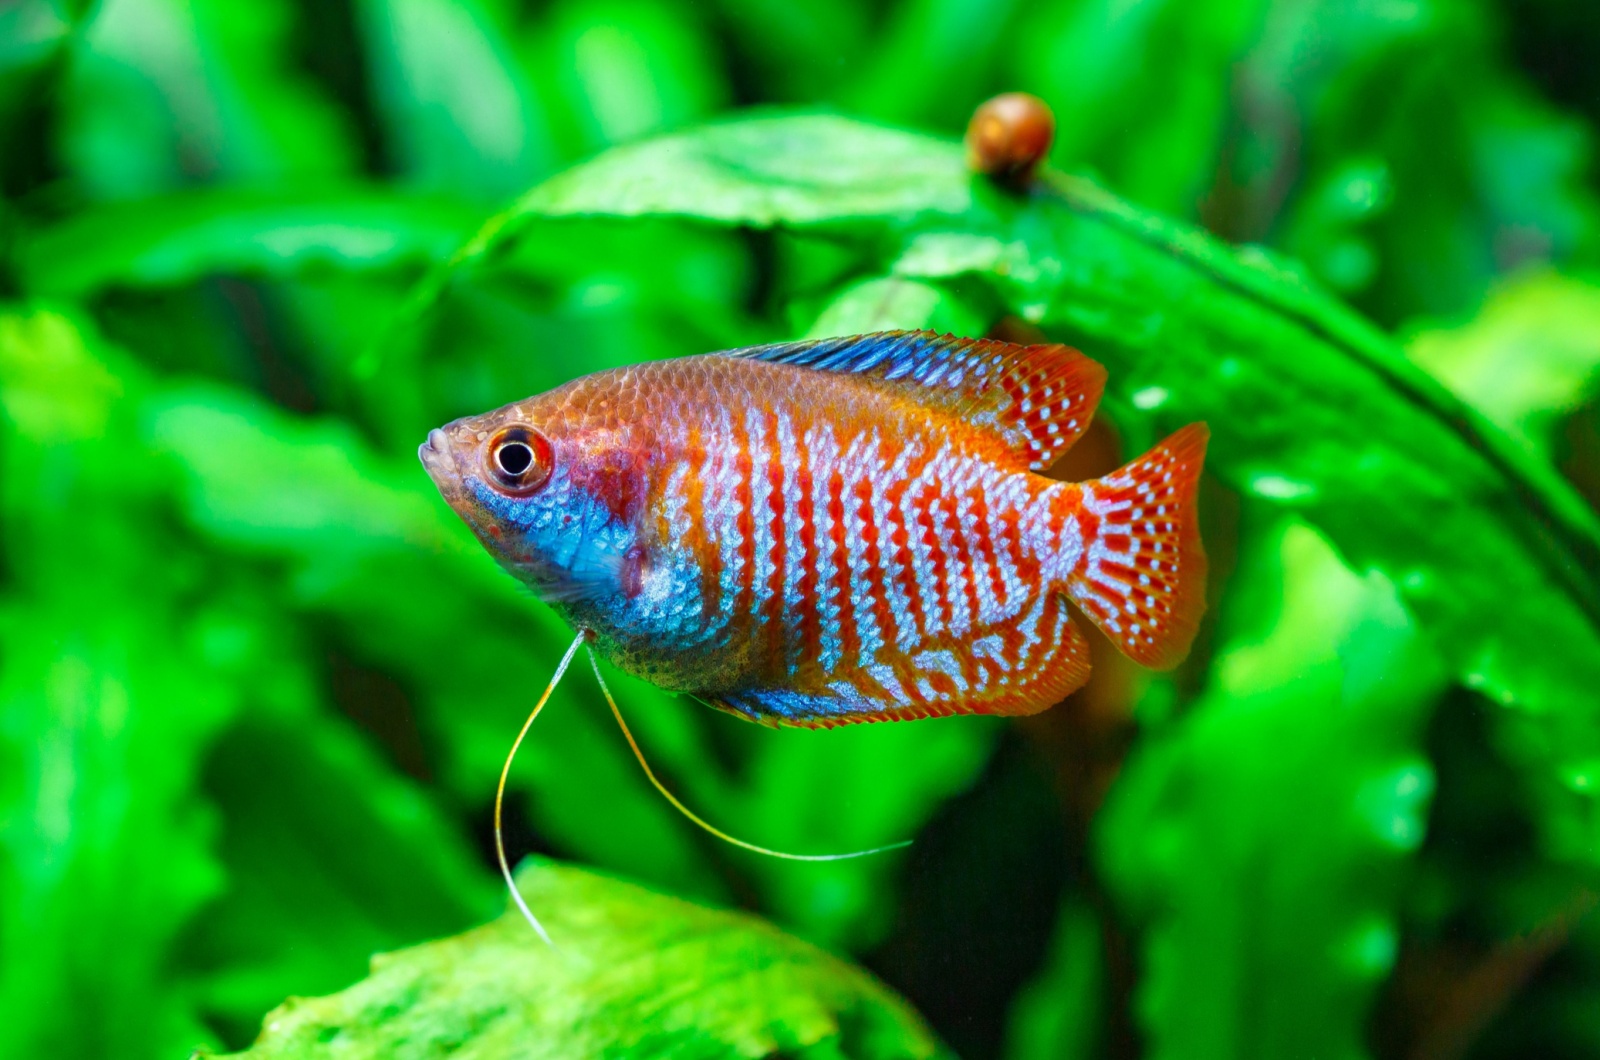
[[256, 680]]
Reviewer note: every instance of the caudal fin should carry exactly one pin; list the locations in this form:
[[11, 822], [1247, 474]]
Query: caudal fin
[[1142, 573]]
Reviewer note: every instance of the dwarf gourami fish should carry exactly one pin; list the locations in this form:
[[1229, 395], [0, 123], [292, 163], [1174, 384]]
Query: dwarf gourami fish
[[836, 531]]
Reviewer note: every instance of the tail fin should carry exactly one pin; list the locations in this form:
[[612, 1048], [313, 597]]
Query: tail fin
[[1142, 573]]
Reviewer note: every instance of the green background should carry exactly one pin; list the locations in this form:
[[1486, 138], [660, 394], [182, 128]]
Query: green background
[[256, 680]]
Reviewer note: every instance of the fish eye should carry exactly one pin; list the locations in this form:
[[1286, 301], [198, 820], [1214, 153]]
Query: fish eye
[[514, 458], [519, 459]]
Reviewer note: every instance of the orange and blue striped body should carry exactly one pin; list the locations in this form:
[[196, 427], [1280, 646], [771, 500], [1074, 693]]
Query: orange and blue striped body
[[839, 531]]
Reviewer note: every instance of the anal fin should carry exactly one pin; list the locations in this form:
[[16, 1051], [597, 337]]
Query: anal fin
[[1012, 670]]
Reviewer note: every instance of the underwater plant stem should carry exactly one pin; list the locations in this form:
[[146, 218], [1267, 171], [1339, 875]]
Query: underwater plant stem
[[500, 790], [695, 818]]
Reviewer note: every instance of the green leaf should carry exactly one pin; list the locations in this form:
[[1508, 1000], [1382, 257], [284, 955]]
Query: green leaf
[[750, 172], [458, 110], [313, 825], [795, 51], [961, 39], [1156, 138], [160, 90], [848, 903], [33, 34], [178, 239], [633, 974], [117, 674], [1415, 225], [887, 303], [1310, 407], [147, 705], [1056, 1016], [99, 843], [1262, 839], [622, 69], [798, 170], [1530, 356]]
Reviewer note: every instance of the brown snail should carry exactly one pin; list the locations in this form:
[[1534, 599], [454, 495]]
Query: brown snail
[[1009, 135]]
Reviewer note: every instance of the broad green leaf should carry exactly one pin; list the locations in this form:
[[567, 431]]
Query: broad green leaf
[[163, 90], [742, 172], [1528, 357], [459, 112], [1056, 1016], [32, 34], [632, 973], [589, 294], [178, 239], [1157, 139], [964, 40], [116, 672], [55, 393], [622, 69], [313, 826], [1262, 839], [796, 50], [1310, 407], [887, 303], [816, 792], [765, 171], [1412, 225], [148, 707], [104, 846]]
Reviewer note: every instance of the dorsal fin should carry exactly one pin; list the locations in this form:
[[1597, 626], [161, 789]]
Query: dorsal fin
[[1037, 399]]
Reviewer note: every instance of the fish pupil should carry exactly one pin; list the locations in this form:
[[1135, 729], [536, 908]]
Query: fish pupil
[[514, 458]]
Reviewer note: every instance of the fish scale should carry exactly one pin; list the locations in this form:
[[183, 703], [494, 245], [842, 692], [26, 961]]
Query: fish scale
[[844, 530]]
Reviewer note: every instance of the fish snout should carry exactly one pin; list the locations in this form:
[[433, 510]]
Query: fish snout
[[434, 449], [438, 457]]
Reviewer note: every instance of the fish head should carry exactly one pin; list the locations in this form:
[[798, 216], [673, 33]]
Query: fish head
[[555, 497]]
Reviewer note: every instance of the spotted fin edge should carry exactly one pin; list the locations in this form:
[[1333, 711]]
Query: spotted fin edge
[[1142, 574]]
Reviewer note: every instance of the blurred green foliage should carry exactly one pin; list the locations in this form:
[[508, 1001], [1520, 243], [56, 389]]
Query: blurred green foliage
[[256, 680]]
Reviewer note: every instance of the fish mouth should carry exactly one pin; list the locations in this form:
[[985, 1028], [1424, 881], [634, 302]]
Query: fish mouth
[[437, 458], [436, 446]]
